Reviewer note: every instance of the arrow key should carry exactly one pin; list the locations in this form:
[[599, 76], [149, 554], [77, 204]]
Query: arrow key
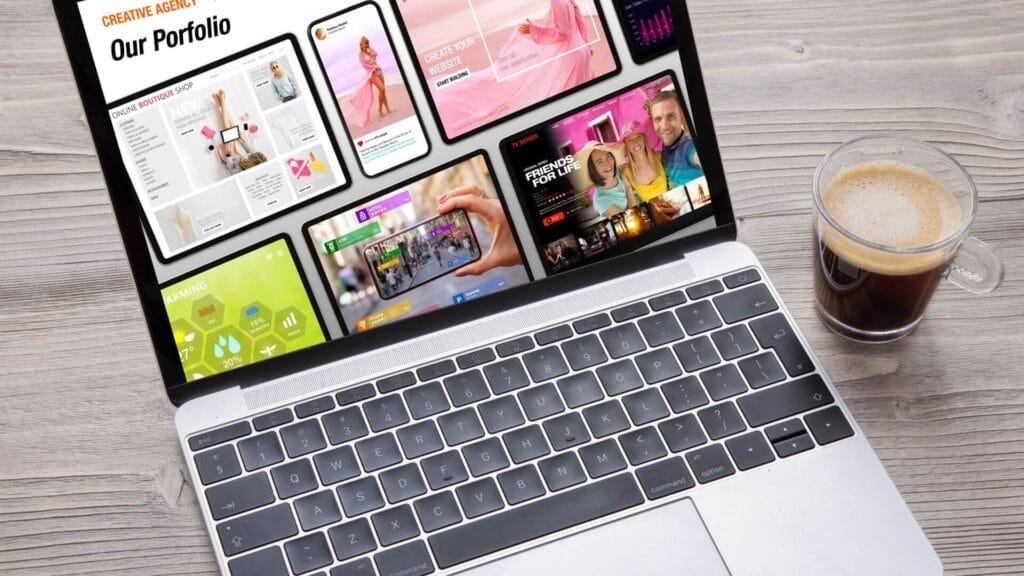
[[794, 445], [829, 425]]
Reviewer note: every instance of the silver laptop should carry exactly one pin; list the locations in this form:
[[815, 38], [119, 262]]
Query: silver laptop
[[452, 287]]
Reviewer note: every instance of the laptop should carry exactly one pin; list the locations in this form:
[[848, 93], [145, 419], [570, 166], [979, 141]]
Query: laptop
[[453, 287]]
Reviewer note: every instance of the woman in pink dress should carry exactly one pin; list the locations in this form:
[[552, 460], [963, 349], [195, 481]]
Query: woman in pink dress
[[358, 108], [543, 58]]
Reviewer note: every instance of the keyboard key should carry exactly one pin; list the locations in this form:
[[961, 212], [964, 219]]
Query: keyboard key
[[410, 559], [699, 318], [794, 445], [658, 366], [566, 431], [584, 353], [562, 471], [445, 469], [355, 394], [734, 342], [427, 400], [506, 376], [666, 301], [541, 402], [592, 323], [420, 439], [294, 478], [336, 465], [685, 394], [603, 458], [642, 446], [660, 329], [303, 438], [501, 414], [552, 335], [722, 420], [239, 496], [460, 427], [520, 485], [622, 341], [314, 407], [480, 497], [258, 529], [219, 436], [545, 364], [352, 539], [435, 371], [742, 279], [345, 425], [746, 303], [513, 347], [395, 525], [526, 444], [829, 425], [399, 381], [217, 465], [378, 452], [402, 483], [266, 562], [704, 290], [645, 407], [723, 382], [682, 433], [785, 400], [580, 389], [359, 497], [361, 567], [606, 419], [485, 457], [785, 430], [308, 553], [260, 451], [697, 354], [665, 478], [437, 511], [272, 420], [386, 413], [710, 464], [475, 358], [467, 388], [775, 332], [749, 450], [620, 377], [317, 510], [762, 370], [631, 312], [515, 526]]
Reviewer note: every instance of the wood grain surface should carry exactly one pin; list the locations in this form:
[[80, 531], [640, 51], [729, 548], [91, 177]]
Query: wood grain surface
[[91, 478]]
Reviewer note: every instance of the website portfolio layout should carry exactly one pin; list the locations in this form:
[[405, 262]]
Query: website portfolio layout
[[316, 171]]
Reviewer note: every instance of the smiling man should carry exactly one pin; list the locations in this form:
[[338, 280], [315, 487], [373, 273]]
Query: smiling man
[[679, 154]]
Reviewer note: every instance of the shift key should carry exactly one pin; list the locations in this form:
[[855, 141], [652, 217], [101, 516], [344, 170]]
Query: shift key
[[775, 332], [258, 529], [785, 400]]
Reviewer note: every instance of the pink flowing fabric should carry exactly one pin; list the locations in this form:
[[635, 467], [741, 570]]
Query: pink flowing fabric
[[358, 108], [559, 40]]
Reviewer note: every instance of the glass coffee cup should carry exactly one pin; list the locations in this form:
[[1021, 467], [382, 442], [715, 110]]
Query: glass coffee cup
[[892, 220]]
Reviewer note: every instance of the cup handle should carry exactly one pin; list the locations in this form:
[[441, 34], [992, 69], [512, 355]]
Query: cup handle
[[977, 268]]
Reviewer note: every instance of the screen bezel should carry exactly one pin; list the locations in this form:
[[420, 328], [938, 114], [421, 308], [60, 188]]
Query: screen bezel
[[144, 274]]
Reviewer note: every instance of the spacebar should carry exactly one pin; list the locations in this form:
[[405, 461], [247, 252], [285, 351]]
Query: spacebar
[[534, 520]]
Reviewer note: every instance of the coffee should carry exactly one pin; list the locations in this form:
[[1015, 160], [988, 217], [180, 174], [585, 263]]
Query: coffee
[[880, 275]]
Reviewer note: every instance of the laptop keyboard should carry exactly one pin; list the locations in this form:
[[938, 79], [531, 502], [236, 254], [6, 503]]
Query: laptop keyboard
[[435, 467]]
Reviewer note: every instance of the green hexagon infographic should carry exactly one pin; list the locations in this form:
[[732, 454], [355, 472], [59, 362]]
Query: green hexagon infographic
[[290, 323], [256, 319], [268, 347], [189, 341], [227, 348], [208, 313]]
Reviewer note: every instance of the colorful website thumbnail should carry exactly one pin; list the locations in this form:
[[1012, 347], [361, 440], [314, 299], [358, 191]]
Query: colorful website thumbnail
[[649, 27], [249, 309], [228, 147], [442, 240], [358, 57], [609, 178], [484, 60]]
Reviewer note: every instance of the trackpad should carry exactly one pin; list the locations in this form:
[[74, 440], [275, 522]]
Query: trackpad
[[667, 541]]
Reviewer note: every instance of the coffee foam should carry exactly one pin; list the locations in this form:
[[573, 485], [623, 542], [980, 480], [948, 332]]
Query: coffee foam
[[892, 205]]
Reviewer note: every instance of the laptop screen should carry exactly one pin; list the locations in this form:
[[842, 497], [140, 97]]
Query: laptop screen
[[312, 171]]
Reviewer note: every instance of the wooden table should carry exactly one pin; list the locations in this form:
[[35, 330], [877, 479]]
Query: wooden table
[[91, 478]]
